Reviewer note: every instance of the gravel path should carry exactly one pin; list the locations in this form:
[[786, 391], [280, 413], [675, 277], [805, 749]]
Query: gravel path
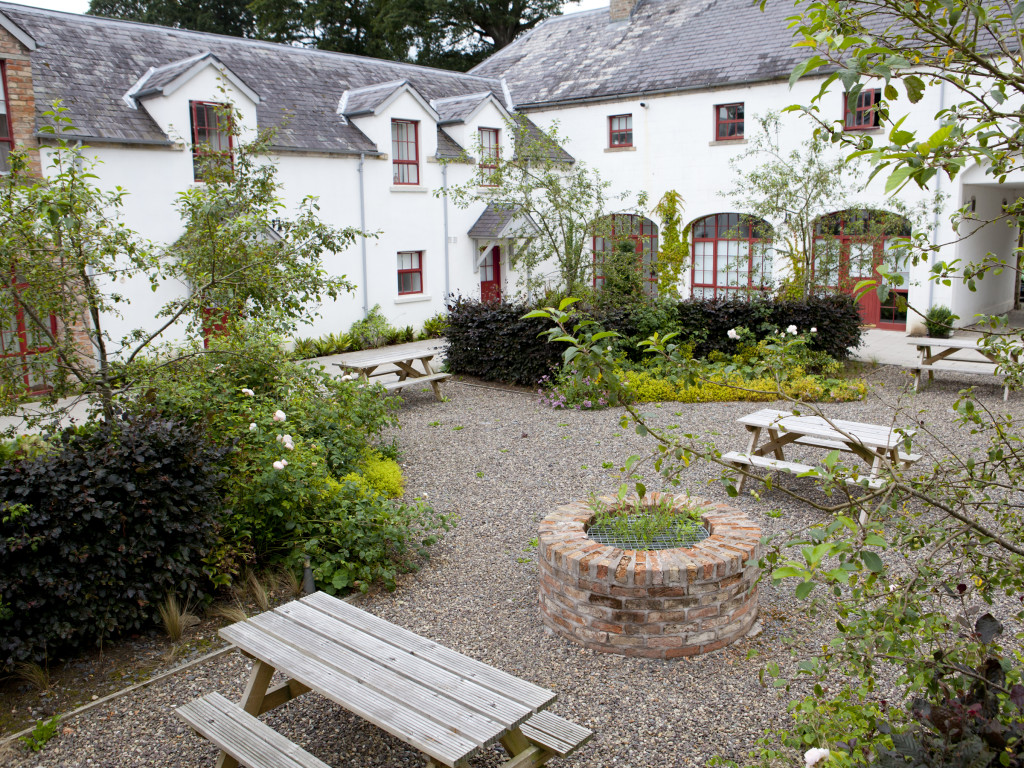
[[499, 461]]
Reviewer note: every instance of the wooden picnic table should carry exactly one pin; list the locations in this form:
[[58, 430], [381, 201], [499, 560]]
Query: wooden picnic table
[[444, 704], [946, 348], [873, 443], [411, 368]]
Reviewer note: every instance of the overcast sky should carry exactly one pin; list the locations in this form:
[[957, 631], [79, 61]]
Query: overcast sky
[[81, 6]]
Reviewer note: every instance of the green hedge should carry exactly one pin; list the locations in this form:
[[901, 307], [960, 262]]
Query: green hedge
[[491, 340]]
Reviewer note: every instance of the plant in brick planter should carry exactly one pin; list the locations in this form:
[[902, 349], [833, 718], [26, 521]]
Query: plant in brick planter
[[689, 597]]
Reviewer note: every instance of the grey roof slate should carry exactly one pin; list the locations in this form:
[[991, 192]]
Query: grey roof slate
[[362, 101], [165, 75], [457, 109], [491, 222], [665, 46], [91, 63], [447, 147]]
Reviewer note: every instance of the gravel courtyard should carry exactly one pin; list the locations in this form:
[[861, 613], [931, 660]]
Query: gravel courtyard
[[498, 460]]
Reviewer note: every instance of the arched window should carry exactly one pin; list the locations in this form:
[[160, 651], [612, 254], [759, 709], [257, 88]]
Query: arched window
[[643, 234], [732, 253], [850, 247]]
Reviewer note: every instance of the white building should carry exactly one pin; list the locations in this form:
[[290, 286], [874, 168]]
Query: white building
[[658, 96]]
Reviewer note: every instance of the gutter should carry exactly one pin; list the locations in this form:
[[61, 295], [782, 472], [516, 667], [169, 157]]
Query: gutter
[[50, 138], [935, 224], [447, 270]]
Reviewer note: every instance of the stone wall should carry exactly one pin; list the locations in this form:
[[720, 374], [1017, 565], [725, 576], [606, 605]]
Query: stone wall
[[660, 604]]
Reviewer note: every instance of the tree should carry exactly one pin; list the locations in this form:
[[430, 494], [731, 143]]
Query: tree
[[61, 239], [968, 48], [564, 202], [223, 17]]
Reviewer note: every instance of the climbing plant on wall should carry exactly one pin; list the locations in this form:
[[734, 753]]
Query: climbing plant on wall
[[675, 243]]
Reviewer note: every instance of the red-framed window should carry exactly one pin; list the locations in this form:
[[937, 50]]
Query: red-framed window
[[728, 122], [732, 253], [20, 340], [6, 132], [620, 131], [490, 153], [643, 233], [410, 272], [405, 151], [211, 136], [864, 113]]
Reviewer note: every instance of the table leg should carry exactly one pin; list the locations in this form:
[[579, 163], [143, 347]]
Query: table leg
[[429, 370], [522, 752], [755, 435], [252, 701]]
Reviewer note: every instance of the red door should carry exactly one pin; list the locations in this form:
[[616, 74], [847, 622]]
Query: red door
[[490, 276]]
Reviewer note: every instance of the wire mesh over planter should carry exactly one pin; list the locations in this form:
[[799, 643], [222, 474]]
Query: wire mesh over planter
[[643, 602], [678, 534]]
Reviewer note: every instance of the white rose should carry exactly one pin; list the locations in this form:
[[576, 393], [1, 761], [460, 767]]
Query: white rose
[[252, 427], [248, 392], [813, 329], [814, 756], [280, 438], [791, 330], [279, 416], [731, 333], [278, 465], [284, 462]]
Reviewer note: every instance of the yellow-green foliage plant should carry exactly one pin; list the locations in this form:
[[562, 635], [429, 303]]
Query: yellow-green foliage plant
[[675, 243], [381, 474], [647, 387]]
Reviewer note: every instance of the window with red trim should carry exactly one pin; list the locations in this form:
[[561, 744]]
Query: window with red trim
[[620, 131], [410, 272], [211, 137], [20, 340], [405, 151], [864, 114], [490, 152], [731, 253], [6, 134], [728, 122], [643, 233]]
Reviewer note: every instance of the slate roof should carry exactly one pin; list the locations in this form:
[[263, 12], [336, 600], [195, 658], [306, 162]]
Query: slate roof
[[665, 46], [447, 147], [362, 101], [491, 222], [91, 63], [456, 109]]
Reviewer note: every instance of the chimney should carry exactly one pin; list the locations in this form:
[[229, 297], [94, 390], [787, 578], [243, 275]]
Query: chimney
[[619, 10]]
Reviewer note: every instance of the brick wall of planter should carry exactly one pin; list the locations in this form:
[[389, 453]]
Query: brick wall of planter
[[653, 603]]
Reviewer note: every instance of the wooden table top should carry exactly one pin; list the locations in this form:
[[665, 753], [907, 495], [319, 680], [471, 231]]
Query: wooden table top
[[868, 435], [443, 703]]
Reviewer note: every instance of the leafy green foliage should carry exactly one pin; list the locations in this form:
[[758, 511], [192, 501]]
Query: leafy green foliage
[[372, 331], [382, 474], [939, 320], [668, 521], [674, 253], [354, 538], [41, 734], [95, 533], [434, 327]]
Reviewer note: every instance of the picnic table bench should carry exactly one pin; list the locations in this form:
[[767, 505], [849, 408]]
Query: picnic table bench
[[873, 443], [444, 704], [946, 348], [411, 368]]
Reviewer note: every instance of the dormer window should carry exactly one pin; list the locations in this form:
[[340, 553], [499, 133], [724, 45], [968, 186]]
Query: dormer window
[[211, 137], [6, 135], [405, 151], [864, 114], [620, 131]]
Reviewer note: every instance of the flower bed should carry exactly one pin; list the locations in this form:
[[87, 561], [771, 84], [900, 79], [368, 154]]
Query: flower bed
[[660, 604]]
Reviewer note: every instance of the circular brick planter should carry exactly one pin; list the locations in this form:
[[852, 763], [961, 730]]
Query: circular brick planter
[[655, 603]]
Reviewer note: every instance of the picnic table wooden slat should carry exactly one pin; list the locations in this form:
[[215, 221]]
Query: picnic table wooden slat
[[532, 696], [867, 435], [407, 692], [378, 360], [254, 743], [493, 706], [411, 727]]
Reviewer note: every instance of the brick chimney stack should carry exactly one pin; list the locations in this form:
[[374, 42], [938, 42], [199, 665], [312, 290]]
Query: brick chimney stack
[[619, 9]]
